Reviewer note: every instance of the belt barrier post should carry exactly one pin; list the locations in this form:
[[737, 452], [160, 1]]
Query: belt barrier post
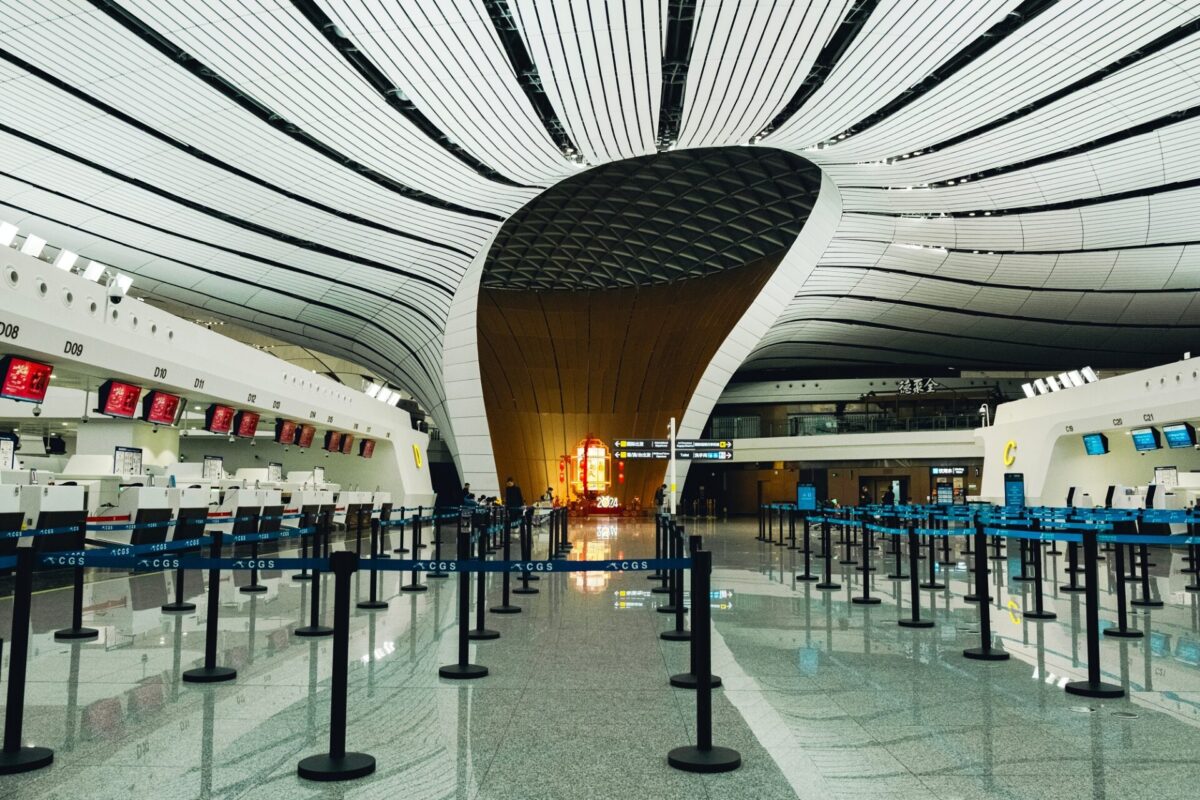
[[762, 521], [914, 591], [526, 534], [566, 530], [1093, 686], [985, 651], [947, 559], [437, 572], [1039, 610], [76, 632], [827, 584], [403, 521], [1122, 631], [178, 605], [210, 672], [675, 577], [782, 514], [866, 599], [688, 680], [414, 584], [807, 576], [703, 757], [314, 627], [847, 535], [307, 520], [374, 603], [662, 547], [1145, 601], [505, 607], [463, 670], [480, 633], [254, 587], [932, 582], [898, 573], [792, 529], [657, 575], [337, 764], [1073, 569], [14, 757]]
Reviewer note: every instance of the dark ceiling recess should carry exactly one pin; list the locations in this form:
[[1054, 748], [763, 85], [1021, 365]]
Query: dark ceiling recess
[[655, 220]]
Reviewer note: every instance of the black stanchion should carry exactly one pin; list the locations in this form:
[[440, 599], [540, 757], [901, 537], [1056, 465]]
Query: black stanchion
[[1093, 686], [1039, 610], [865, 599], [782, 512], [662, 547], [897, 573], [1145, 601], [76, 632], [480, 633], [463, 670], [827, 583], [179, 605], [807, 550], [506, 607], [437, 572], [1122, 631], [414, 584], [847, 534], [1073, 569], [703, 756], [679, 633], [565, 522], [374, 603], [210, 672], [15, 758], [314, 627], [403, 522], [985, 651], [308, 520], [254, 587], [792, 529], [914, 591], [931, 582], [337, 764], [690, 679], [526, 534], [762, 522], [947, 559]]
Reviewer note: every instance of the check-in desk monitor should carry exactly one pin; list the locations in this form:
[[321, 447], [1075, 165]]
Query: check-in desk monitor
[[55, 507], [142, 506]]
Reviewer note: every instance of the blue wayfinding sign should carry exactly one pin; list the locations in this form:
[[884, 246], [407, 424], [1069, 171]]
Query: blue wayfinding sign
[[1014, 489], [806, 497]]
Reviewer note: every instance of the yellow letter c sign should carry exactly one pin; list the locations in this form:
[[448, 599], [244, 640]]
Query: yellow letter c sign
[[1010, 455]]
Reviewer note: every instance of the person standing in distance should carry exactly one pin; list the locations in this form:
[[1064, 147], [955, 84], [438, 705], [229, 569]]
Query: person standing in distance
[[514, 501]]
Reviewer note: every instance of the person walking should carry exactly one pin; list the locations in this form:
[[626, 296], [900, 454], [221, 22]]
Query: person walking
[[514, 501]]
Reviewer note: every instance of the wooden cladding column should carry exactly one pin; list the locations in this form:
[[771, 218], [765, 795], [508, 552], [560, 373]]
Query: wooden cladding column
[[558, 365]]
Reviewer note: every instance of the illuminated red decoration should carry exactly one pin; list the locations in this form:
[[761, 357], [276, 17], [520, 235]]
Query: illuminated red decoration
[[366, 448], [285, 431], [161, 408], [347, 443], [218, 419], [24, 379], [333, 441], [304, 438], [119, 399], [245, 424]]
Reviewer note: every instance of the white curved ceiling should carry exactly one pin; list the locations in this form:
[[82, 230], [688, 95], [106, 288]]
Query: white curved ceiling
[[1020, 180]]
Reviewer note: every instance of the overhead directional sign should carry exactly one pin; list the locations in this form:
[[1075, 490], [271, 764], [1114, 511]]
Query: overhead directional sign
[[685, 449]]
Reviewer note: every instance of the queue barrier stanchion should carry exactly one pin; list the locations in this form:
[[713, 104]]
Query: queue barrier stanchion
[[703, 757], [178, 605], [1039, 611], [1145, 601], [1093, 686], [506, 607], [526, 542], [661, 547], [690, 679], [210, 672], [463, 669], [77, 632], [314, 628], [308, 520], [674, 576], [914, 590], [931, 582], [792, 529], [657, 575], [827, 584], [373, 603], [480, 633], [865, 599], [985, 651], [679, 633], [15, 757], [897, 573], [437, 572], [414, 584], [1073, 570], [1122, 631], [807, 551], [254, 587], [403, 521], [337, 764], [781, 542]]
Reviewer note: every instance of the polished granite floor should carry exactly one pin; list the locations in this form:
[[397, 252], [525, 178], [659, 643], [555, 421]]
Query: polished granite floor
[[824, 698]]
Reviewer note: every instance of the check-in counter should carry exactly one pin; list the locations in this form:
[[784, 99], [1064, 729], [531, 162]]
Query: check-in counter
[[140, 506], [379, 502], [348, 508], [55, 507], [11, 516], [238, 511]]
